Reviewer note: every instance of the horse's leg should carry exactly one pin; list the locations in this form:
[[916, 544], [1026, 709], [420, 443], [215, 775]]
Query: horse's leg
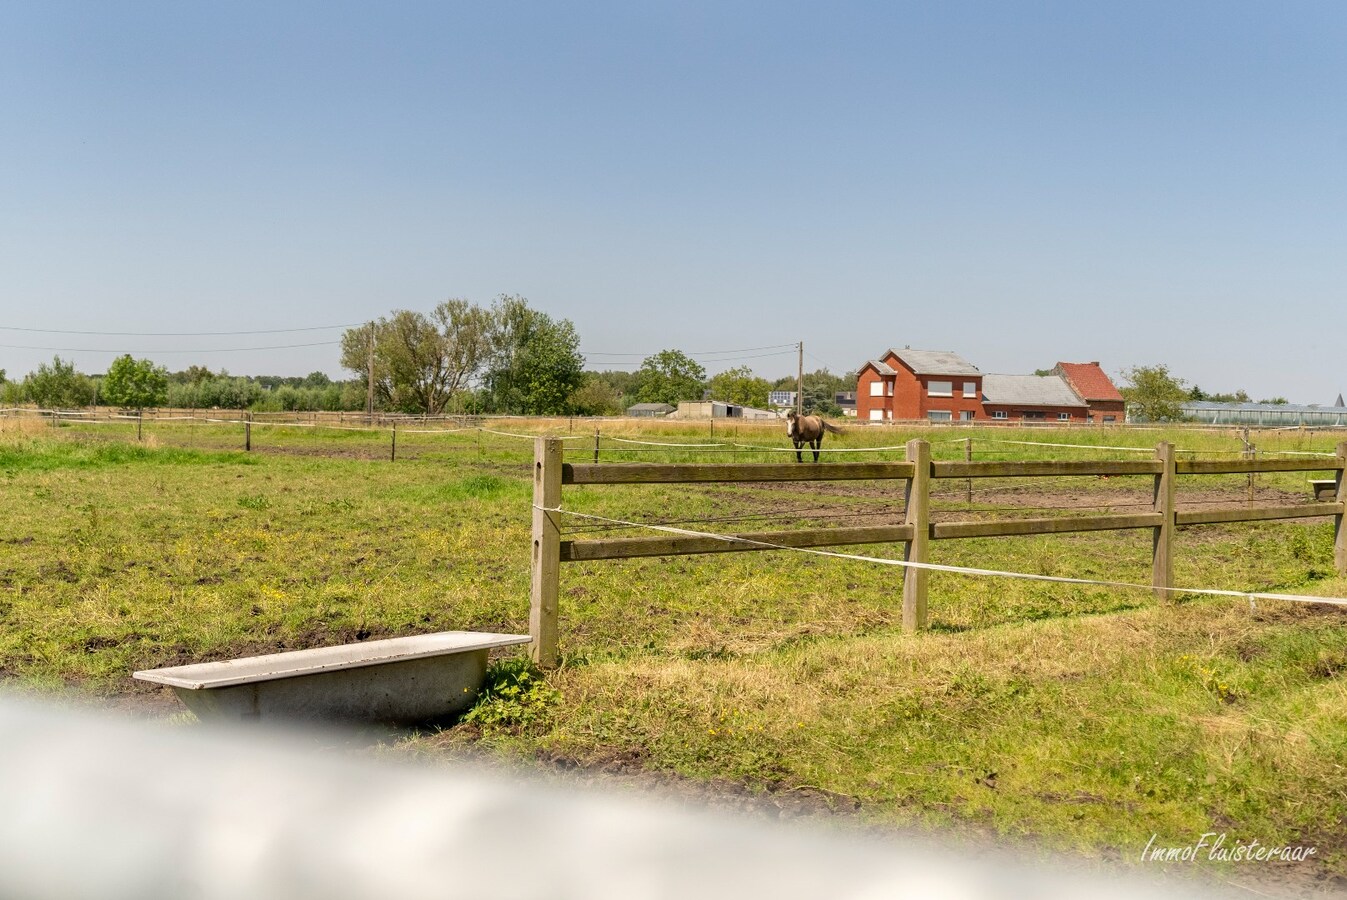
[[816, 443], [798, 444]]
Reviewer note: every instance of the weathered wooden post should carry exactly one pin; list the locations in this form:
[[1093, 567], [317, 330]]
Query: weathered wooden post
[[140, 423], [968, 483], [596, 445], [248, 432], [1339, 533], [393, 451], [546, 550], [1162, 547], [1249, 454], [918, 515]]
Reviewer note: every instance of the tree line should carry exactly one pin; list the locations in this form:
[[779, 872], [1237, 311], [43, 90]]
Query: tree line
[[459, 358], [140, 384]]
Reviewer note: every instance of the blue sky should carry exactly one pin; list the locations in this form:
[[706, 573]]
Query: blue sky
[[1024, 183]]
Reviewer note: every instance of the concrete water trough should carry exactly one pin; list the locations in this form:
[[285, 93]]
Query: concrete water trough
[[1325, 489], [399, 680]]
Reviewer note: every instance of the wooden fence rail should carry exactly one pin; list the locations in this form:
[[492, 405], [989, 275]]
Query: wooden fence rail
[[917, 530]]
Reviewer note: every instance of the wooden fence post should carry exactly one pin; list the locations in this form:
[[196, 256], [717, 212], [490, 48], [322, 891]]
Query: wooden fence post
[[1162, 547], [140, 423], [248, 432], [596, 445], [1340, 533], [917, 549], [968, 483], [546, 550], [1249, 454], [393, 450]]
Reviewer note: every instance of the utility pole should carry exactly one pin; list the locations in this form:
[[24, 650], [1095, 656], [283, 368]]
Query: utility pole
[[369, 395], [799, 384]]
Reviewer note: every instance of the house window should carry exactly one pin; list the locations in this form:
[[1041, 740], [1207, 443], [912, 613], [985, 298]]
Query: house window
[[888, 386], [940, 388], [1033, 415], [876, 389], [966, 415], [876, 415], [1064, 417], [940, 415], [1110, 418], [1000, 414], [970, 388]]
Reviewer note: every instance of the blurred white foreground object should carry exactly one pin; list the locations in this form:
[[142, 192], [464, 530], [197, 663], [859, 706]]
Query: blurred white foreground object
[[408, 679], [97, 807]]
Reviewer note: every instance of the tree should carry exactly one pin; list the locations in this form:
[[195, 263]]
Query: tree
[[741, 387], [820, 390], [669, 376], [135, 383], [535, 365], [58, 386], [1153, 393], [420, 361], [596, 397], [1196, 393]]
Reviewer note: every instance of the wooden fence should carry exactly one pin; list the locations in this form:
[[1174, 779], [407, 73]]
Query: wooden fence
[[917, 530]]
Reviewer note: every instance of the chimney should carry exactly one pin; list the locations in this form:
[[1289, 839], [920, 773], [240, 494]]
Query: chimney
[[1094, 362]]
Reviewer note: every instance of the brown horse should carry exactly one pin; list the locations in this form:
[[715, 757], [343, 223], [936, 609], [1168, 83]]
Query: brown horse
[[807, 430]]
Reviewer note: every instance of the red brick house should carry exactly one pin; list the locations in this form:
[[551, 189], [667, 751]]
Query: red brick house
[[941, 386], [938, 385], [1090, 383]]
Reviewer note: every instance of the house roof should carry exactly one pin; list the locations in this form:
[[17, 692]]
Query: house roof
[[1089, 381], [935, 362], [650, 407], [880, 367], [1028, 390]]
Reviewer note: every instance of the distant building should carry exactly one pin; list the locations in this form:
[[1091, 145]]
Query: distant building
[[1032, 398], [939, 385], [781, 399], [847, 401], [1100, 394], [718, 409], [1285, 415], [649, 410], [942, 386]]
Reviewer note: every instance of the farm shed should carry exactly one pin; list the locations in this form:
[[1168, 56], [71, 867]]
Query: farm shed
[[650, 410], [719, 409]]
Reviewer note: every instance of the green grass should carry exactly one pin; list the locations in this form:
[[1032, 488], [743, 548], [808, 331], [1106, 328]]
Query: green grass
[[1084, 717]]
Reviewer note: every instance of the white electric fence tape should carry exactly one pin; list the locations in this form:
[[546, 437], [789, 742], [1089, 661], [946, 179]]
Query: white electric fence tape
[[957, 570]]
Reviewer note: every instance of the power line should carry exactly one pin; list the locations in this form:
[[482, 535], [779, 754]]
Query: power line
[[173, 333], [782, 347], [157, 350]]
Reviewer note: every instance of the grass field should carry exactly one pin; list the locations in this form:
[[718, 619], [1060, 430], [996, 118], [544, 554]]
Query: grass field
[[1079, 717]]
